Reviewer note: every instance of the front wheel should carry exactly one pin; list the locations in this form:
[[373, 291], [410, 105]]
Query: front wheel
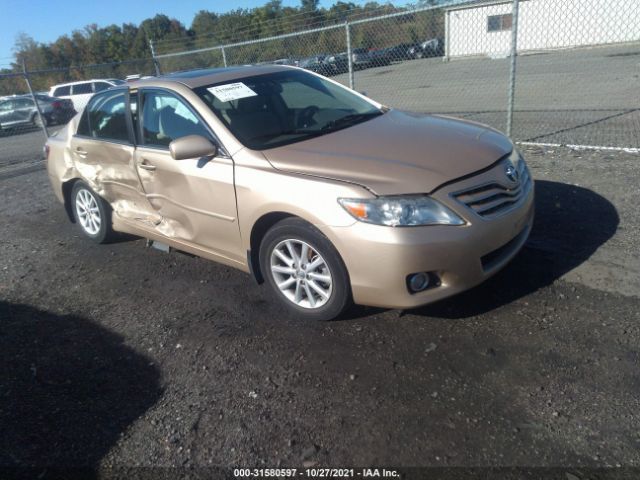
[[304, 270], [92, 213]]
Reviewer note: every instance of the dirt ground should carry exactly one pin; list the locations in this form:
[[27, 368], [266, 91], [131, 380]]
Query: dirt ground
[[122, 356]]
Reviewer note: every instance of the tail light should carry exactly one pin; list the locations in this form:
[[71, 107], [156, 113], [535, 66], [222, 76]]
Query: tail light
[[45, 151]]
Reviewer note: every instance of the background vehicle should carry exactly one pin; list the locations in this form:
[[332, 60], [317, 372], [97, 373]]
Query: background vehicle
[[361, 58], [431, 48], [338, 63], [401, 52], [379, 57], [20, 110], [285, 61], [80, 92], [316, 64]]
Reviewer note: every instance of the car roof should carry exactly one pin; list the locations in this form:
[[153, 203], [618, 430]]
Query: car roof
[[83, 81], [199, 78]]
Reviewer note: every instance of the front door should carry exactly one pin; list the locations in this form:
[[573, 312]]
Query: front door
[[195, 198]]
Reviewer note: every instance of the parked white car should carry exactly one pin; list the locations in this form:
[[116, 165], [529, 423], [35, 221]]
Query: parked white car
[[80, 92]]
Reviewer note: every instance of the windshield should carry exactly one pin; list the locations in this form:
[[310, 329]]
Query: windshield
[[271, 110]]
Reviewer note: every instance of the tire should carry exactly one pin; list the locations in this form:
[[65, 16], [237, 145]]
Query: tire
[[303, 278], [91, 213]]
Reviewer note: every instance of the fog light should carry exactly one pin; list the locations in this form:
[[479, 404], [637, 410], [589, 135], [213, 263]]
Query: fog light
[[418, 282]]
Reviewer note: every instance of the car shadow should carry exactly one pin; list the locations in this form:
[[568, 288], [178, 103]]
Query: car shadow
[[571, 224], [69, 390]]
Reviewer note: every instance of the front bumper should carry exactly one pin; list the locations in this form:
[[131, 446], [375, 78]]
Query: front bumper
[[379, 259]]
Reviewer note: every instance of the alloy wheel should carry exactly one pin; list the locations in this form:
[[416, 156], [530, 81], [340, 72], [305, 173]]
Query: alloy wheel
[[88, 211], [301, 274]]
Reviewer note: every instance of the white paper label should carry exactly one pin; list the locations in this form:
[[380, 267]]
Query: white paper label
[[232, 91]]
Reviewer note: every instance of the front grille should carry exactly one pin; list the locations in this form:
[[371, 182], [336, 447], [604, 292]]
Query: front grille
[[494, 199]]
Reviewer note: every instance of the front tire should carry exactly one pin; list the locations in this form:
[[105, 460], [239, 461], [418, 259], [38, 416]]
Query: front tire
[[304, 270], [91, 213]]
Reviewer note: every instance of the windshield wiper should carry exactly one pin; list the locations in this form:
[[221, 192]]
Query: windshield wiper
[[349, 120]]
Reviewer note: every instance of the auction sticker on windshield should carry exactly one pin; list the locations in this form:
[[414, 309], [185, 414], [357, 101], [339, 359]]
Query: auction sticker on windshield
[[232, 91]]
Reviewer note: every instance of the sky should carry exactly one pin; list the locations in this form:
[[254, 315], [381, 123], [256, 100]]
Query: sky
[[46, 20]]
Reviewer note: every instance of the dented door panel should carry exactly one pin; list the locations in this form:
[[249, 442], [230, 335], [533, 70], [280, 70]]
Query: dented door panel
[[194, 198]]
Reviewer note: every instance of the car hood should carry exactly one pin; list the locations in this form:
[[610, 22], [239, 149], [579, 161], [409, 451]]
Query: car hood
[[396, 153]]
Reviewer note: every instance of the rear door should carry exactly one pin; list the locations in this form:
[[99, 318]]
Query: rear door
[[195, 197], [103, 150], [6, 113], [23, 110]]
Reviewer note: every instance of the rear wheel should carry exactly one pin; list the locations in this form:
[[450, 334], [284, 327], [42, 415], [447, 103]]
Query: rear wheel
[[92, 213], [36, 122], [304, 270]]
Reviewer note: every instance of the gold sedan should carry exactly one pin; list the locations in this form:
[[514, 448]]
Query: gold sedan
[[328, 196]]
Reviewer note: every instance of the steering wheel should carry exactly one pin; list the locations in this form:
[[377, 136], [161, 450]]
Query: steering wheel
[[306, 115]]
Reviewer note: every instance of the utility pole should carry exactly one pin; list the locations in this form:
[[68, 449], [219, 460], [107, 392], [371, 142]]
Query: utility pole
[[35, 100], [156, 64], [512, 70], [349, 55]]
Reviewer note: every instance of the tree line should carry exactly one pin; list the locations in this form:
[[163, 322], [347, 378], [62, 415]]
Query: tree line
[[115, 51]]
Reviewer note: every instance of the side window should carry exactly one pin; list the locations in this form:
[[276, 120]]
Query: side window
[[107, 117], [81, 88], [24, 103], [62, 91], [6, 106], [100, 86], [83, 124], [133, 105], [166, 118]]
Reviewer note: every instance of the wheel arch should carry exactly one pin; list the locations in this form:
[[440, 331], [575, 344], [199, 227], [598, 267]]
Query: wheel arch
[[258, 231], [67, 188]]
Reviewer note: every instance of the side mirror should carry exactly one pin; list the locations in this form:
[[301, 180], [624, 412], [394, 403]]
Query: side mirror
[[192, 146]]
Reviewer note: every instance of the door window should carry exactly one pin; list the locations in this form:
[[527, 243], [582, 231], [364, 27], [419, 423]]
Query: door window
[[23, 103], [100, 86], [107, 117], [62, 91], [166, 118], [82, 88]]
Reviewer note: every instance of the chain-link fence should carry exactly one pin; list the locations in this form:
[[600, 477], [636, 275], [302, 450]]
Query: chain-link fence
[[573, 80], [546, 71], [35, 104]]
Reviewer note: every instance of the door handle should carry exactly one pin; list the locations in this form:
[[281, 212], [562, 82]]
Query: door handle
[[81, 153], [146, 166]]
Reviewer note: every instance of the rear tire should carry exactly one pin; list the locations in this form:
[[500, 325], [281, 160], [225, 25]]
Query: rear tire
[[35, 121], [305, 271], [92, 213]]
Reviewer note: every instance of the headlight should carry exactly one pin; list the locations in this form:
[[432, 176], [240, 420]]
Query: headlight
[[401, 211]]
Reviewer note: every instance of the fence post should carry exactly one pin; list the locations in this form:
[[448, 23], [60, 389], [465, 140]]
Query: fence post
[[35, 100], [512, 70], [224, 57], [349, 56], [156, 64]]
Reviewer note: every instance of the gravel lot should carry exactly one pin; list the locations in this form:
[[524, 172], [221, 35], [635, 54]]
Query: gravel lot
[[120, 355]]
